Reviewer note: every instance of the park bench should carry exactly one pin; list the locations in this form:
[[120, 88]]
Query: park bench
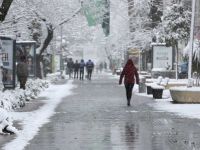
[[156, 88]]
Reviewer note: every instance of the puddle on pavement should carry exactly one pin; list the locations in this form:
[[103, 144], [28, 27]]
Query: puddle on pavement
[[155, 134]]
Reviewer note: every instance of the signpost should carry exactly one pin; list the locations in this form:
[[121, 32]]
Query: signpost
[[191, 39], [57, 63], [7, 56], [162, 56], [27, 49]]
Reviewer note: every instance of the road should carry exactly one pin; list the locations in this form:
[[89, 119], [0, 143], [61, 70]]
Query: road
[[96, 117]]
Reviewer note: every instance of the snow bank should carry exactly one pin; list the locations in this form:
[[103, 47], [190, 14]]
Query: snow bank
[[13, 99], [32, 121], [183, 110]]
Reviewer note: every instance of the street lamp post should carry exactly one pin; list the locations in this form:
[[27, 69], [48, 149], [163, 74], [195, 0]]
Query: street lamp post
[[61, 50], [191, 39]]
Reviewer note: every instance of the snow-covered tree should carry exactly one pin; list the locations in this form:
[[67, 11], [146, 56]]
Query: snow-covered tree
[[48, 14], [35, 28], [156, 12], [196, 56], [142, 35], [176, 24]]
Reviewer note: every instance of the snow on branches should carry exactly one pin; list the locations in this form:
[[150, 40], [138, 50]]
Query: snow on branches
[[141, 35], [176, 24]]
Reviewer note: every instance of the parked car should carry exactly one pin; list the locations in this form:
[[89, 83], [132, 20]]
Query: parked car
[[183, 70]]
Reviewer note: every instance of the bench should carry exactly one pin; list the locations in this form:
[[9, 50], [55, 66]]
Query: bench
[[157, 88]]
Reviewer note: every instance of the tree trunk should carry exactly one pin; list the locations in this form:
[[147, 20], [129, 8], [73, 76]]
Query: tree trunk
[[43, 48], [4, 9], [48, 38], [38, 66], [44, 45]]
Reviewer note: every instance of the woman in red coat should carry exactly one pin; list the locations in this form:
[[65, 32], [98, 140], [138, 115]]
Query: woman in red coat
[[130, 76]]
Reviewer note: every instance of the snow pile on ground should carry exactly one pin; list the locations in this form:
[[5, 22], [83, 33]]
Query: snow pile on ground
[[34, 88], [166, 103], [32, 121], [54, 77], [183, 110], [12, 99], [6, 123]]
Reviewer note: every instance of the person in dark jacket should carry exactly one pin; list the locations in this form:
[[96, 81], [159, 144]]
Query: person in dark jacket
[[129, 74], [90, 67], [22, 72], [81, 68], [76, 69], [70, 66]]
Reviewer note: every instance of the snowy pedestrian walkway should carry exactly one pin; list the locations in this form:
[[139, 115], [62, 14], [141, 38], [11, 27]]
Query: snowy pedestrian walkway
[[96, 117]]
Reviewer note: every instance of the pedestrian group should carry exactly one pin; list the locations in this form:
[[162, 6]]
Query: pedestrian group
[[77, 69]]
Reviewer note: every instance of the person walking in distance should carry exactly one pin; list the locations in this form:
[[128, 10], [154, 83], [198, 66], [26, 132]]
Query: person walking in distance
[[129, 74], [76, 69], [22, 72], [89, 66], [81, 68], [70, 66]]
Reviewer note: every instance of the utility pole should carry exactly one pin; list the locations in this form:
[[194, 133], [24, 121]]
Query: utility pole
[[191, 40], [61, 50]]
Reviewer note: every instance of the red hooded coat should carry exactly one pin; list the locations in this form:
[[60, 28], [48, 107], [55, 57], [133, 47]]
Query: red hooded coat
[[129, 73]]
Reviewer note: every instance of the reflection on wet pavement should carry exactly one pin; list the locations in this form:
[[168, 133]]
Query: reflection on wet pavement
[[96, 118]]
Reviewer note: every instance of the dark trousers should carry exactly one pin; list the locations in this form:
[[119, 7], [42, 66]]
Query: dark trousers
[[129, 89], [89, 74], [75, 74], [81, 74], [22, 81], [70, 73]]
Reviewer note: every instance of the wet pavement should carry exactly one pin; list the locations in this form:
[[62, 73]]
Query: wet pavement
[[96, 117]]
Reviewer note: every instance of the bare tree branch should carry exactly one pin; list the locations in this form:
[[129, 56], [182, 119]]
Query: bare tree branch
[[4, 9]]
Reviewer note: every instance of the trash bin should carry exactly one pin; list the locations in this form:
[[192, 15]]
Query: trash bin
[[157, 93], [149, 90], [142, 86]]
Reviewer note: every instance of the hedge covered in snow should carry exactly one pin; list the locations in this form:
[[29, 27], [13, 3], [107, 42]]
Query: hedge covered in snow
[[12, 99]]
